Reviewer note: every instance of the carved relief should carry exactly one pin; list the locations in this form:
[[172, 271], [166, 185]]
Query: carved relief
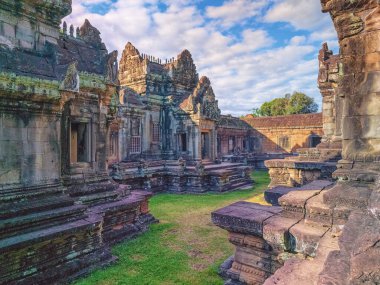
[[71, 81]]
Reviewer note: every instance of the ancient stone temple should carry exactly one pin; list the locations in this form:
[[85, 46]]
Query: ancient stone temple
[[324, 232], [170, 130], [59, 209], [182, 114]]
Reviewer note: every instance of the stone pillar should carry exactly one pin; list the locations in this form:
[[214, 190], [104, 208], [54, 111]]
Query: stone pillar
[[329, 67], [357, 24]]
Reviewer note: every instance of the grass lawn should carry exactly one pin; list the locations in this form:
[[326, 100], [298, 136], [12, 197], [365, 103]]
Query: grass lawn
[[184, 248]]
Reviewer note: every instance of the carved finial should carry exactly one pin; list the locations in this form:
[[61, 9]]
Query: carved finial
[[71, 30], [64, 28]]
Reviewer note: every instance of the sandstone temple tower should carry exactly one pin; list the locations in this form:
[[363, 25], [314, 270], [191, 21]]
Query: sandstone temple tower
[[182, 114]]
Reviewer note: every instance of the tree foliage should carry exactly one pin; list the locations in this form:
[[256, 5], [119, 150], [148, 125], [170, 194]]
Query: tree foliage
[[297, 103]]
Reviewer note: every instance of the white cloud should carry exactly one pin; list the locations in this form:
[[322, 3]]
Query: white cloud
[[246, 68], [234, 11], [301, 14], [296, 40]]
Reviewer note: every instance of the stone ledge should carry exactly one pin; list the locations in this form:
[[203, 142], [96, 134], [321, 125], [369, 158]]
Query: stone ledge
[[296, 201], [274, 194], [307, 165], [348, 196], [244, 217], [38, 236]]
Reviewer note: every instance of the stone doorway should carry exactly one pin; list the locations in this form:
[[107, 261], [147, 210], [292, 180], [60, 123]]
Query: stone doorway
[[79, 143], [205, 143]]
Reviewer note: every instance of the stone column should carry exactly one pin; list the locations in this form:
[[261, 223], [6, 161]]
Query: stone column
[[356, 22], [328, 76]]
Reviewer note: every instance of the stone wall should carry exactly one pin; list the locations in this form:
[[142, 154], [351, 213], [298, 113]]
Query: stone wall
[[285, 134], [29, 148]]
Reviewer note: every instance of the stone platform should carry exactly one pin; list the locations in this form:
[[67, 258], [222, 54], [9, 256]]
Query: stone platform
[[302, 242], [292, 172], [177, 177], [47, 237]]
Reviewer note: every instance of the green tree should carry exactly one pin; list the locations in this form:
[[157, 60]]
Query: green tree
[[297, 103], [300, 103]]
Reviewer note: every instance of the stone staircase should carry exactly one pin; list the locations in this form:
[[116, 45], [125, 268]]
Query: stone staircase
[[46, 238], [295, 243]]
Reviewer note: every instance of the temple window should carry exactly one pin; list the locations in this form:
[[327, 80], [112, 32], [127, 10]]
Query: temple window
[[231, 144], [255, 144], [135, 145], [135, 127], [155, 132], [219, 144], [283, 142], [183, 142], [314, 140], [80, 147]]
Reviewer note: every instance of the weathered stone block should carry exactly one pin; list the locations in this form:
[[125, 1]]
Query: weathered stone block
[[243, 217], [305, 238], [347, 196], [272, 195], [276, 232], [296, 200]]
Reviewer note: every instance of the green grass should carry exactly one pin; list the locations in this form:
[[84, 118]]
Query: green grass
[[184, 248]]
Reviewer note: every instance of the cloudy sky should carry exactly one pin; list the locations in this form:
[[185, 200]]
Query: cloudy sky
[[252, 50]]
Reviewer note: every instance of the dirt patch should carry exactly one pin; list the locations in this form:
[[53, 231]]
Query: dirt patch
[[137, 257]]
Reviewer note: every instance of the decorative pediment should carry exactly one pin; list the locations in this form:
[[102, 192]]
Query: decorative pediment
[[202, 101]]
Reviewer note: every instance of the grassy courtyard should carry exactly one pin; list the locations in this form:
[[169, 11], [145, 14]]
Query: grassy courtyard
[[184, 248]]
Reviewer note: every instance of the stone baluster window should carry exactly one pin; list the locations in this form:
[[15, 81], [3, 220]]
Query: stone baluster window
[[135, 145], [155, 132]]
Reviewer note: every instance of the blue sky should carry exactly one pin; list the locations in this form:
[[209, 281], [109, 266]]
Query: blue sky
[[252, 50]]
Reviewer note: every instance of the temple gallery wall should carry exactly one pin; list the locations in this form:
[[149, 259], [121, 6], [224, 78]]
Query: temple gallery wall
[[87, 137]]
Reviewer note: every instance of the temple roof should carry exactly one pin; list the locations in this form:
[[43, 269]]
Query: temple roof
[[228, 121], [289, 121]]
